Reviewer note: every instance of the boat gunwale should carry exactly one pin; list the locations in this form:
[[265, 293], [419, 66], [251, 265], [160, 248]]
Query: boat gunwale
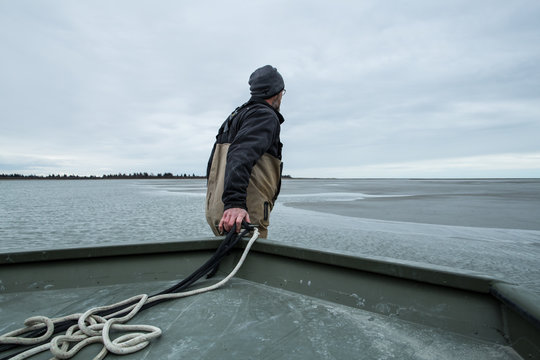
[[404, 269]]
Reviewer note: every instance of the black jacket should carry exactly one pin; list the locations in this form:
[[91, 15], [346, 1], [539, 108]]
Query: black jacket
[[252, 130]]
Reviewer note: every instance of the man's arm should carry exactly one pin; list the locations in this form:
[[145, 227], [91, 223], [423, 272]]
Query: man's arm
[[252, 140]]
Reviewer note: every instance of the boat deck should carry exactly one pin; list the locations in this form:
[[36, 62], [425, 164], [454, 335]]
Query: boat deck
[[248, 320], [284, 303]]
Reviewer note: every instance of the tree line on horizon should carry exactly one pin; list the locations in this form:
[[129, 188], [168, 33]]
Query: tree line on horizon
[[142, 175]]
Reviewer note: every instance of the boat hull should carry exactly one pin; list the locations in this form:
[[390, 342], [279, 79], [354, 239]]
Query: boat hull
[[380, 293]]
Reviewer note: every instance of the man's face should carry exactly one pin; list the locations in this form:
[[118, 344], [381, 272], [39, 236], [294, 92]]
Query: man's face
[[276, 103]]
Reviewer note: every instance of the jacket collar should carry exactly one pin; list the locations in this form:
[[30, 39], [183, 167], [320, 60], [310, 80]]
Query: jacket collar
[[258, 100]]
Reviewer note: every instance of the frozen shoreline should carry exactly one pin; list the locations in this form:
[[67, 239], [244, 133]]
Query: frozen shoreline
[[494, 203], [426, 209]]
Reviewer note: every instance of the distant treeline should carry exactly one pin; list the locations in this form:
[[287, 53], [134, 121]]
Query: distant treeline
[[144, 175]]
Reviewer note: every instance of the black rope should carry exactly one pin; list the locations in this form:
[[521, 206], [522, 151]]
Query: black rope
[[209, 268]]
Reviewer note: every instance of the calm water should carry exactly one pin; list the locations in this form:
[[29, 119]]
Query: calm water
[[487, 226]]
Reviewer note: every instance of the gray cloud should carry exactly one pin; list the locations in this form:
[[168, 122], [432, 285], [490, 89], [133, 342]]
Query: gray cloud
[[124, 86]]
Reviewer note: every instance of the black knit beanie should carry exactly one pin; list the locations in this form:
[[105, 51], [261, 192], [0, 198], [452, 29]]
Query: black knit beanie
[[266, 82]]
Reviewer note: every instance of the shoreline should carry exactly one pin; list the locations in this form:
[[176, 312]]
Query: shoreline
[[285, 177], [456, 210], [76, 177]]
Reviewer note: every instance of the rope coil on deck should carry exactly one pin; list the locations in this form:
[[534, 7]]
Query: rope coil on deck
[[93, 328]]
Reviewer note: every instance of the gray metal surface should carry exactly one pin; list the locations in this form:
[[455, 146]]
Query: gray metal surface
[[416, 310], [247, 320]]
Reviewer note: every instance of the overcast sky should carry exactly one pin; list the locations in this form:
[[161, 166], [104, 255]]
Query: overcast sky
[[374, 88]]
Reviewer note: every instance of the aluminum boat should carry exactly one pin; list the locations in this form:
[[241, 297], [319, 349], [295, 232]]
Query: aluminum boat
[[285, 302]]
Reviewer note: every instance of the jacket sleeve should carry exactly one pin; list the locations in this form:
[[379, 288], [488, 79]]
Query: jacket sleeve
[[253, 139]]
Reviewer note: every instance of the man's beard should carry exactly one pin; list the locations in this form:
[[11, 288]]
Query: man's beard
[[276, 104]]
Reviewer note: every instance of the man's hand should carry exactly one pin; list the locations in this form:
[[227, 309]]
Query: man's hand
[[231, 217]]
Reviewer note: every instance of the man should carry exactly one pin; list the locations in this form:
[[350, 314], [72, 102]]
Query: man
[[244, 169]]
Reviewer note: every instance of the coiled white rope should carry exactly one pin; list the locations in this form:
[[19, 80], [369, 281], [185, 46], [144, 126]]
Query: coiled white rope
[[92, 328]]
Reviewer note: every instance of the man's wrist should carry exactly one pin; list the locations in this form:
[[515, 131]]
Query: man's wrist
[[235, 206]]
